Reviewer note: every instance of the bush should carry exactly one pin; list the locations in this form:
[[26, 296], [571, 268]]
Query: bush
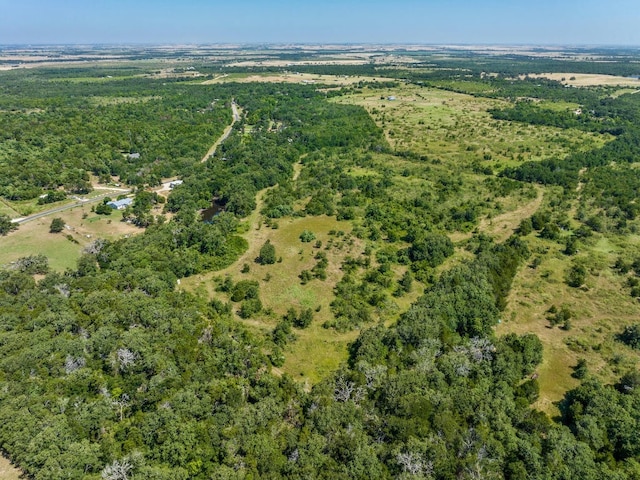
[[525, 227], [306, 236], [631, 336], [6, 225], [576, 276], [57, 225], [580, 370], [244, 290], [267, 254], [104, 209], [305, 277], [51, 197], [304, 320], [433, 249], [277, 357], [282, 333], [33, 264], [250, 307]]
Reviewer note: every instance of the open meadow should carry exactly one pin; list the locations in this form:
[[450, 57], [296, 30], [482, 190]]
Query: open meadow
[[457, 129]]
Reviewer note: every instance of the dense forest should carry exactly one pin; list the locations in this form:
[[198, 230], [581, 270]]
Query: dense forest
[[108, 370]]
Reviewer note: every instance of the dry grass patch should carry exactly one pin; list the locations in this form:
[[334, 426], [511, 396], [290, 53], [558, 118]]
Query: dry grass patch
[[292, 77], [8, 471], [588, 79], [502, 226]]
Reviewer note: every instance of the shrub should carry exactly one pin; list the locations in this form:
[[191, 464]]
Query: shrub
[[244, 290], [631, 336], [267, 254], [306, 236], [576, 276], [6, 225], [304, 320], [57, 225], [33, 264], [250, 307]]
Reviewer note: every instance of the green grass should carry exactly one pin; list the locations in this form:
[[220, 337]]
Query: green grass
[[34, 237], [62, 253], [29, 207], [457, 129], [6, 209]]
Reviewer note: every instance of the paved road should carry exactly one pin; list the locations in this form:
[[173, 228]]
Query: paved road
[[62, 208]]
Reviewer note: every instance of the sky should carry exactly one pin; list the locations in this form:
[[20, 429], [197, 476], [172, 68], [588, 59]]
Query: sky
[[540, 22]]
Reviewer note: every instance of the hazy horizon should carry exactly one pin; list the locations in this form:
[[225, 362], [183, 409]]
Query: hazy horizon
[[456, 22]]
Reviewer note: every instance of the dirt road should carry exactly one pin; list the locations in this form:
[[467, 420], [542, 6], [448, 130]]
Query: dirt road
[[226, 133]]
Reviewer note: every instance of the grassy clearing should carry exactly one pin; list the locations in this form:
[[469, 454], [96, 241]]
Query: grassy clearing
[[503, 225], [624, 91], [34, 237], [456, 128], [601, 309], [317, 351]]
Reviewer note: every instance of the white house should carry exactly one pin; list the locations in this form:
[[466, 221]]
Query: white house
[[120, 204]]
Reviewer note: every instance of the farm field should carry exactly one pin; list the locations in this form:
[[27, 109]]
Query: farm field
[[292, 77], [590, 80]]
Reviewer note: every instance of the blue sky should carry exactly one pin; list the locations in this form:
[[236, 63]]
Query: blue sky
[[576, 22]]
